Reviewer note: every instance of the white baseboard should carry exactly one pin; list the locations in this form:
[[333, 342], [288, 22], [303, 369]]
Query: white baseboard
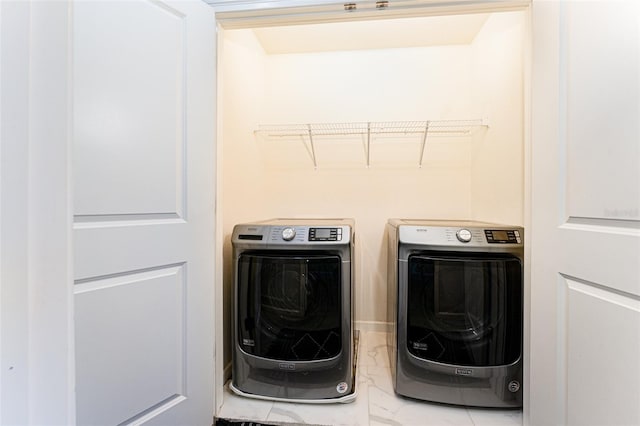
[[378, 326]]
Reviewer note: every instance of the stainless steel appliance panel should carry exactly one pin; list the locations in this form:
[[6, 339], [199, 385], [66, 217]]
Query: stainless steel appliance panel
[[455, 304]]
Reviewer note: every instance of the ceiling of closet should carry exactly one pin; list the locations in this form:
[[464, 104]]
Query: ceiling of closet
[[372, 34]]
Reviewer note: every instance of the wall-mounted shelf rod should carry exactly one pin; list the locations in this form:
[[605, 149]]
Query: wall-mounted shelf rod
[[370, 130], [435, 127]]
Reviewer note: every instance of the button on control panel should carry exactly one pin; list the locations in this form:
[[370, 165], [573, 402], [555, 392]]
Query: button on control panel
[[325, 234], [463, 235], [288, 234], [500, 236]]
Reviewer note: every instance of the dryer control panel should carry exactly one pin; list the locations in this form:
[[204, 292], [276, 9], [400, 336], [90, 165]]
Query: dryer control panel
[[503, 236], [305, 233], [459, 234], [325, 234]]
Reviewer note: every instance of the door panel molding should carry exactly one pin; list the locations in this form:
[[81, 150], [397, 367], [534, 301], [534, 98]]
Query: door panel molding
[[599, 224], [124, 278], [108, 220], [626, 300], [130, 113], [131, 337], [593, 312], [607, 264]]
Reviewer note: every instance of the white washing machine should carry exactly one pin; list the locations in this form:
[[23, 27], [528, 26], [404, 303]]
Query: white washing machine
[[455, 300], [293, 336]]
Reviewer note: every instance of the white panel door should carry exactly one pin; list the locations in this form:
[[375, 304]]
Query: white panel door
[[585, 263], [143, 182]]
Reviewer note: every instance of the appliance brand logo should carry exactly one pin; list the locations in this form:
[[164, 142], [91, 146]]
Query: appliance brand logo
[[464, 371], [420, 346], [421, 229], [286, 366]]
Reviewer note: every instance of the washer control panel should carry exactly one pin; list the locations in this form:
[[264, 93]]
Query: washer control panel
[[502, 236], [325, 234], [293, 234], [307, 234]]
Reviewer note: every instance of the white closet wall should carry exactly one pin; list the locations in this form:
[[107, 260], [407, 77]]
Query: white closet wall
[[242, 194], [497, 178]]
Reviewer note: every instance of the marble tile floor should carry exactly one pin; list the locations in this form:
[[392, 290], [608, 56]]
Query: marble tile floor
[[376, 403]]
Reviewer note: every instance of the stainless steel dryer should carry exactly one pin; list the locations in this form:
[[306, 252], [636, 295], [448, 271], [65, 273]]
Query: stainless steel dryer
[[293, 310], [455, 299]]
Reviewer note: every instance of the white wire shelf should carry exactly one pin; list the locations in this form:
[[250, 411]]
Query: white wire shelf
[[451, 128]]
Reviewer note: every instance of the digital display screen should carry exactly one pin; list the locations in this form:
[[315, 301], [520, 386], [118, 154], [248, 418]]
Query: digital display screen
[[500, 235], [322, 233]]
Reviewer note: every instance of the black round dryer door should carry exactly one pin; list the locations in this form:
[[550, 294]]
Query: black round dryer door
[[464, 308], [289, 305]]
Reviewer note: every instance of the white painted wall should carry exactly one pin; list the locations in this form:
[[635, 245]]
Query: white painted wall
[[267, 178], [369, 85], [241, 193], [497, 178]]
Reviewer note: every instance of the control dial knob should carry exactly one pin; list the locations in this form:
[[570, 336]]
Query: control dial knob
[[464, 235], [288, 234]]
